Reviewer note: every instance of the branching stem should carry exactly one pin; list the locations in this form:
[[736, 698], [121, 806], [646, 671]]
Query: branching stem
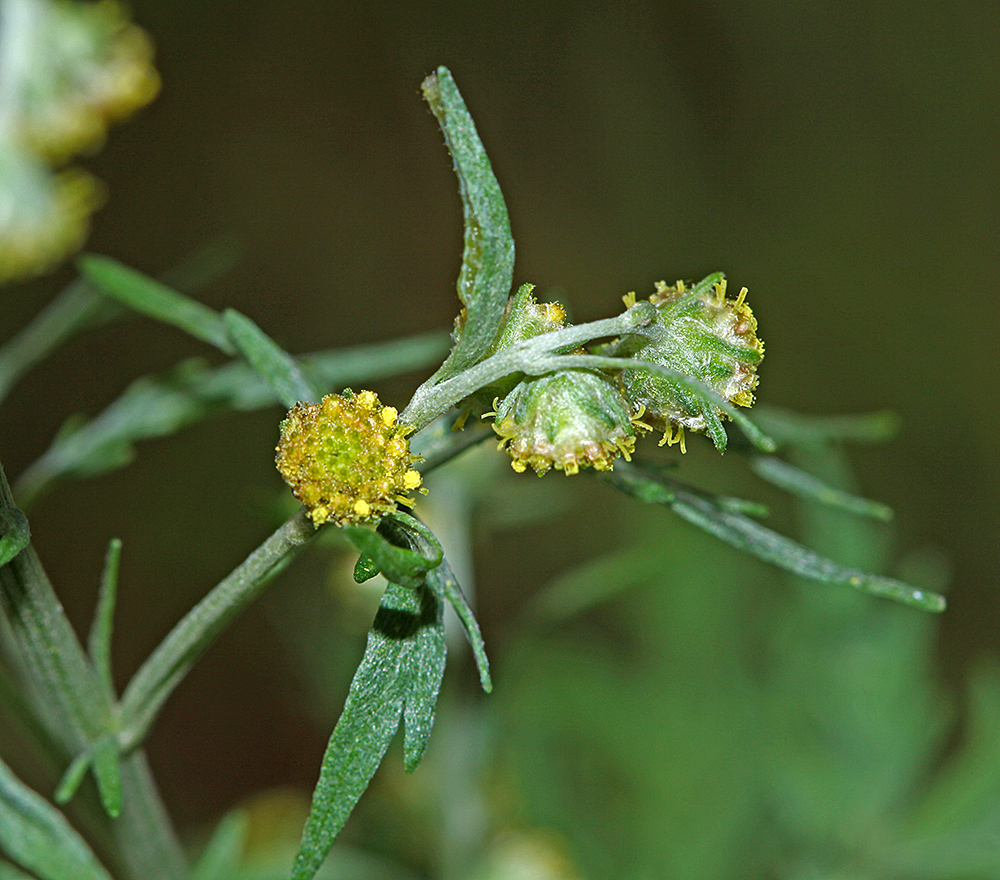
[[531, 356]]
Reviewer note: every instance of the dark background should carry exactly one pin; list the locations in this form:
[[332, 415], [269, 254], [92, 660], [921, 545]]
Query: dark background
[[837, 159]]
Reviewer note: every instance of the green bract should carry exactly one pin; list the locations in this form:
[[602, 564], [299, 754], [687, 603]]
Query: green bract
[[567, 420], [701, 333]]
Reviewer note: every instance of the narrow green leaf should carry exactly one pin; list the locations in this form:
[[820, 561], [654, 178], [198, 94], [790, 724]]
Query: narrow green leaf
[[103, 758], [443, 582], [81, 306], [14, 533], [797, 481], [487, 272], [750, 536], [9, 872], [269, 361], [220, 860], [403, 663], [158, 406], [59, 681], [152, 298], [71, 778], [107, 773], [399, 564], [37, 836], [808, 430], [99, 640]]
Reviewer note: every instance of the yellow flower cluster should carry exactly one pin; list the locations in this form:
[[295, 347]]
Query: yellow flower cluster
[[346, 458]]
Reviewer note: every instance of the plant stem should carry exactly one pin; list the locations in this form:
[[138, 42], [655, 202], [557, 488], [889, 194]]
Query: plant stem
[[143, 833], [187, 641], [74, 709], [528, 356]]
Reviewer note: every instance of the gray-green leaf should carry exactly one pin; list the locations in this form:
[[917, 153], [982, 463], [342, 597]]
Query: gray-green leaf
[[155, 299], [487, 272], [399, 677], [748, 535], [269, 360], [37, 836]]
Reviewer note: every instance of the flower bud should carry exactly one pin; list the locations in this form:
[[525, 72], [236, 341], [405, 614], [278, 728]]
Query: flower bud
[[526, 318], [568, 420], [346, 458], [701, 333]]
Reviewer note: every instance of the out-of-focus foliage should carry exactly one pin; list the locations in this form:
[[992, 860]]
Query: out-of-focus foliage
[[670, 711], [68, 70]]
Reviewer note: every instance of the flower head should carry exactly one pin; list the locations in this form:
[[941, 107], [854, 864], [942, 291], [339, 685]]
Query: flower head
[[346, 458], [567, 420], [701, 333]]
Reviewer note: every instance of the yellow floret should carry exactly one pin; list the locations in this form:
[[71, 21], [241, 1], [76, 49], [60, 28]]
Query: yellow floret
[[346, 458]]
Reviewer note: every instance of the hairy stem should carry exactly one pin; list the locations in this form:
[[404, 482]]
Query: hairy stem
[[430, 401], [187, 641]]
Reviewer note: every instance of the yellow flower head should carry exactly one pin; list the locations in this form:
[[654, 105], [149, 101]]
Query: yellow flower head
[[346, 458]]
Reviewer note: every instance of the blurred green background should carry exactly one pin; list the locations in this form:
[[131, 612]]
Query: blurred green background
[[839, 160]]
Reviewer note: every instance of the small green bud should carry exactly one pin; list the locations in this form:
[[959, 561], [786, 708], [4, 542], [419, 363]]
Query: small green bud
[[701, 333], [568, 420], [526, 318], [346, 458]]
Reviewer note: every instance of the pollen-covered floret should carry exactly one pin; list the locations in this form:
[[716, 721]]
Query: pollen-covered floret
[[567, 420], [346, 458], [701, 333]]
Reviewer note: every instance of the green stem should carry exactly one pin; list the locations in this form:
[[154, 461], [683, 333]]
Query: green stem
[[74, 710], [170, 662], [143, 833], [529, 356]]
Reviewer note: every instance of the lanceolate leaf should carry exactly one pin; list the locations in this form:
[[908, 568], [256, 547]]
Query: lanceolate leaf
[[155, 299], [748, 535], [442, 581], [35, 835], [99, 640], [399, 677], [797, 481], [810, 430], [155, 406], [108, 774], [221, 857], [484, 280], [269, 361]]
